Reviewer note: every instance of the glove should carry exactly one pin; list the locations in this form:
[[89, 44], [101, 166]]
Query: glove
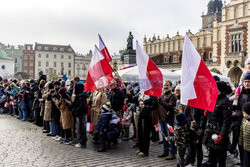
[[205, 113], [217, 141]]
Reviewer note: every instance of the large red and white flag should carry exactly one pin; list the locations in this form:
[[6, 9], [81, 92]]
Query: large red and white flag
[[99, 74], [198, 87], [150, 77], [104, 49]]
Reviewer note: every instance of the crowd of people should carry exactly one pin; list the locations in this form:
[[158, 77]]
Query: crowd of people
[[63, 110]]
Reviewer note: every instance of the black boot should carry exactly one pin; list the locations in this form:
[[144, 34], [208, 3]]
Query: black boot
[[102, 148]]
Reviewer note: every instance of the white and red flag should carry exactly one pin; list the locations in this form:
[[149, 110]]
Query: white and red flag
[[99, 74], [198, 87], [104, 49], [89, 127], [150, 77]]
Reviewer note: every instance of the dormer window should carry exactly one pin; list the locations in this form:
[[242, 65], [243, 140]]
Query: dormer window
[[61, 49], [39, 47], [55, 49], [70, 50], [46, 48]]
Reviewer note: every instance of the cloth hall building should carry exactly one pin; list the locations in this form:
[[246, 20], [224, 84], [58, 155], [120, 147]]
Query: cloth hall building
[[222, 42]]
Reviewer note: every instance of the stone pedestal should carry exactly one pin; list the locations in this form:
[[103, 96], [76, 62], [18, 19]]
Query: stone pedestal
[[129, 58]]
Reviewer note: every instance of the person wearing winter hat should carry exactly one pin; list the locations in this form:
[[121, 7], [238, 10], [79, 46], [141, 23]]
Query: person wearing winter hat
[[181, 137], [244, 139], [219, 122], [79, 111], [245, 75], [102, 126], [237, 115]]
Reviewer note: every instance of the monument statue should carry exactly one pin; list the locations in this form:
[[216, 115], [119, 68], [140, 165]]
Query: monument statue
[[130, 41]]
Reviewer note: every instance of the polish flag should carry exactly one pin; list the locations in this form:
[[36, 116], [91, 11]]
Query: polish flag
[[6, 105], [11, 97], [198, 87], [156, 128], [150, 77], [89, 127], [104, 49], [170, 128], [99, 74]]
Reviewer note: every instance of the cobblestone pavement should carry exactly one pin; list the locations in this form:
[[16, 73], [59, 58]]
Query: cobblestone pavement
[[24, 144]]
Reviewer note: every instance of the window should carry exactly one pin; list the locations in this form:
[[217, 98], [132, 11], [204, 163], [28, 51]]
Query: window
[[69, 65], [70, 50], [54, 49], [54, 64], [62, 64], [210, 55], [28, 47], [69, 57], [39, 47], [15, 60], [25, 63], [165, 59], [236, 43], [31, 63], [61, 49], [31, 58], [54, 56], [47, 64], [175, 59], [31, 71], [62, 57], [46, 48], [69, 73], [39, 55], [47, 55], [39, 64]]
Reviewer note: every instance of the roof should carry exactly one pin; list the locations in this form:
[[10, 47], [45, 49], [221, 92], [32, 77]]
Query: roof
[[3, 55], [53, 48]]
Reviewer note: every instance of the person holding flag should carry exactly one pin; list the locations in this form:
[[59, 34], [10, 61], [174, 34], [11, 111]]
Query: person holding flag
[[199, 90], [167, 103], [150, 81]]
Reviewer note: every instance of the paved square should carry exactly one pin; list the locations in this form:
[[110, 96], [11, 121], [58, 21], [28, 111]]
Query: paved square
[[24, 144]]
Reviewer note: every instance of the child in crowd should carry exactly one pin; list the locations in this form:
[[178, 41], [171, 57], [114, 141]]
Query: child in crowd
[[126, 121], [244, 140], [181, 137], [239, 88], [102, 125]]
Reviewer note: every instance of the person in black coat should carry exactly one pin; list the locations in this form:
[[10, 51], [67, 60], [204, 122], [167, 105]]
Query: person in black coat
[[147, 104], [33, 89], [116, 97], [80, 110], [217, 130], [197, 124]]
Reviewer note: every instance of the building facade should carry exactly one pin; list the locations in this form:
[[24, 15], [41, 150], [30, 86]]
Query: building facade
[[16, 53], [222, 42], [6, 65], [29, 60], [82, 63], [54, 60]]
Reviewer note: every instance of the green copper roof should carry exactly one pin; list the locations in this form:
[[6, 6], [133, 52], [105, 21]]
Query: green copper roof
[[3, 55]]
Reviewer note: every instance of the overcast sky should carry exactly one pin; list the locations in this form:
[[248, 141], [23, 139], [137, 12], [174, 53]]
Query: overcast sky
[[77, 22]]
